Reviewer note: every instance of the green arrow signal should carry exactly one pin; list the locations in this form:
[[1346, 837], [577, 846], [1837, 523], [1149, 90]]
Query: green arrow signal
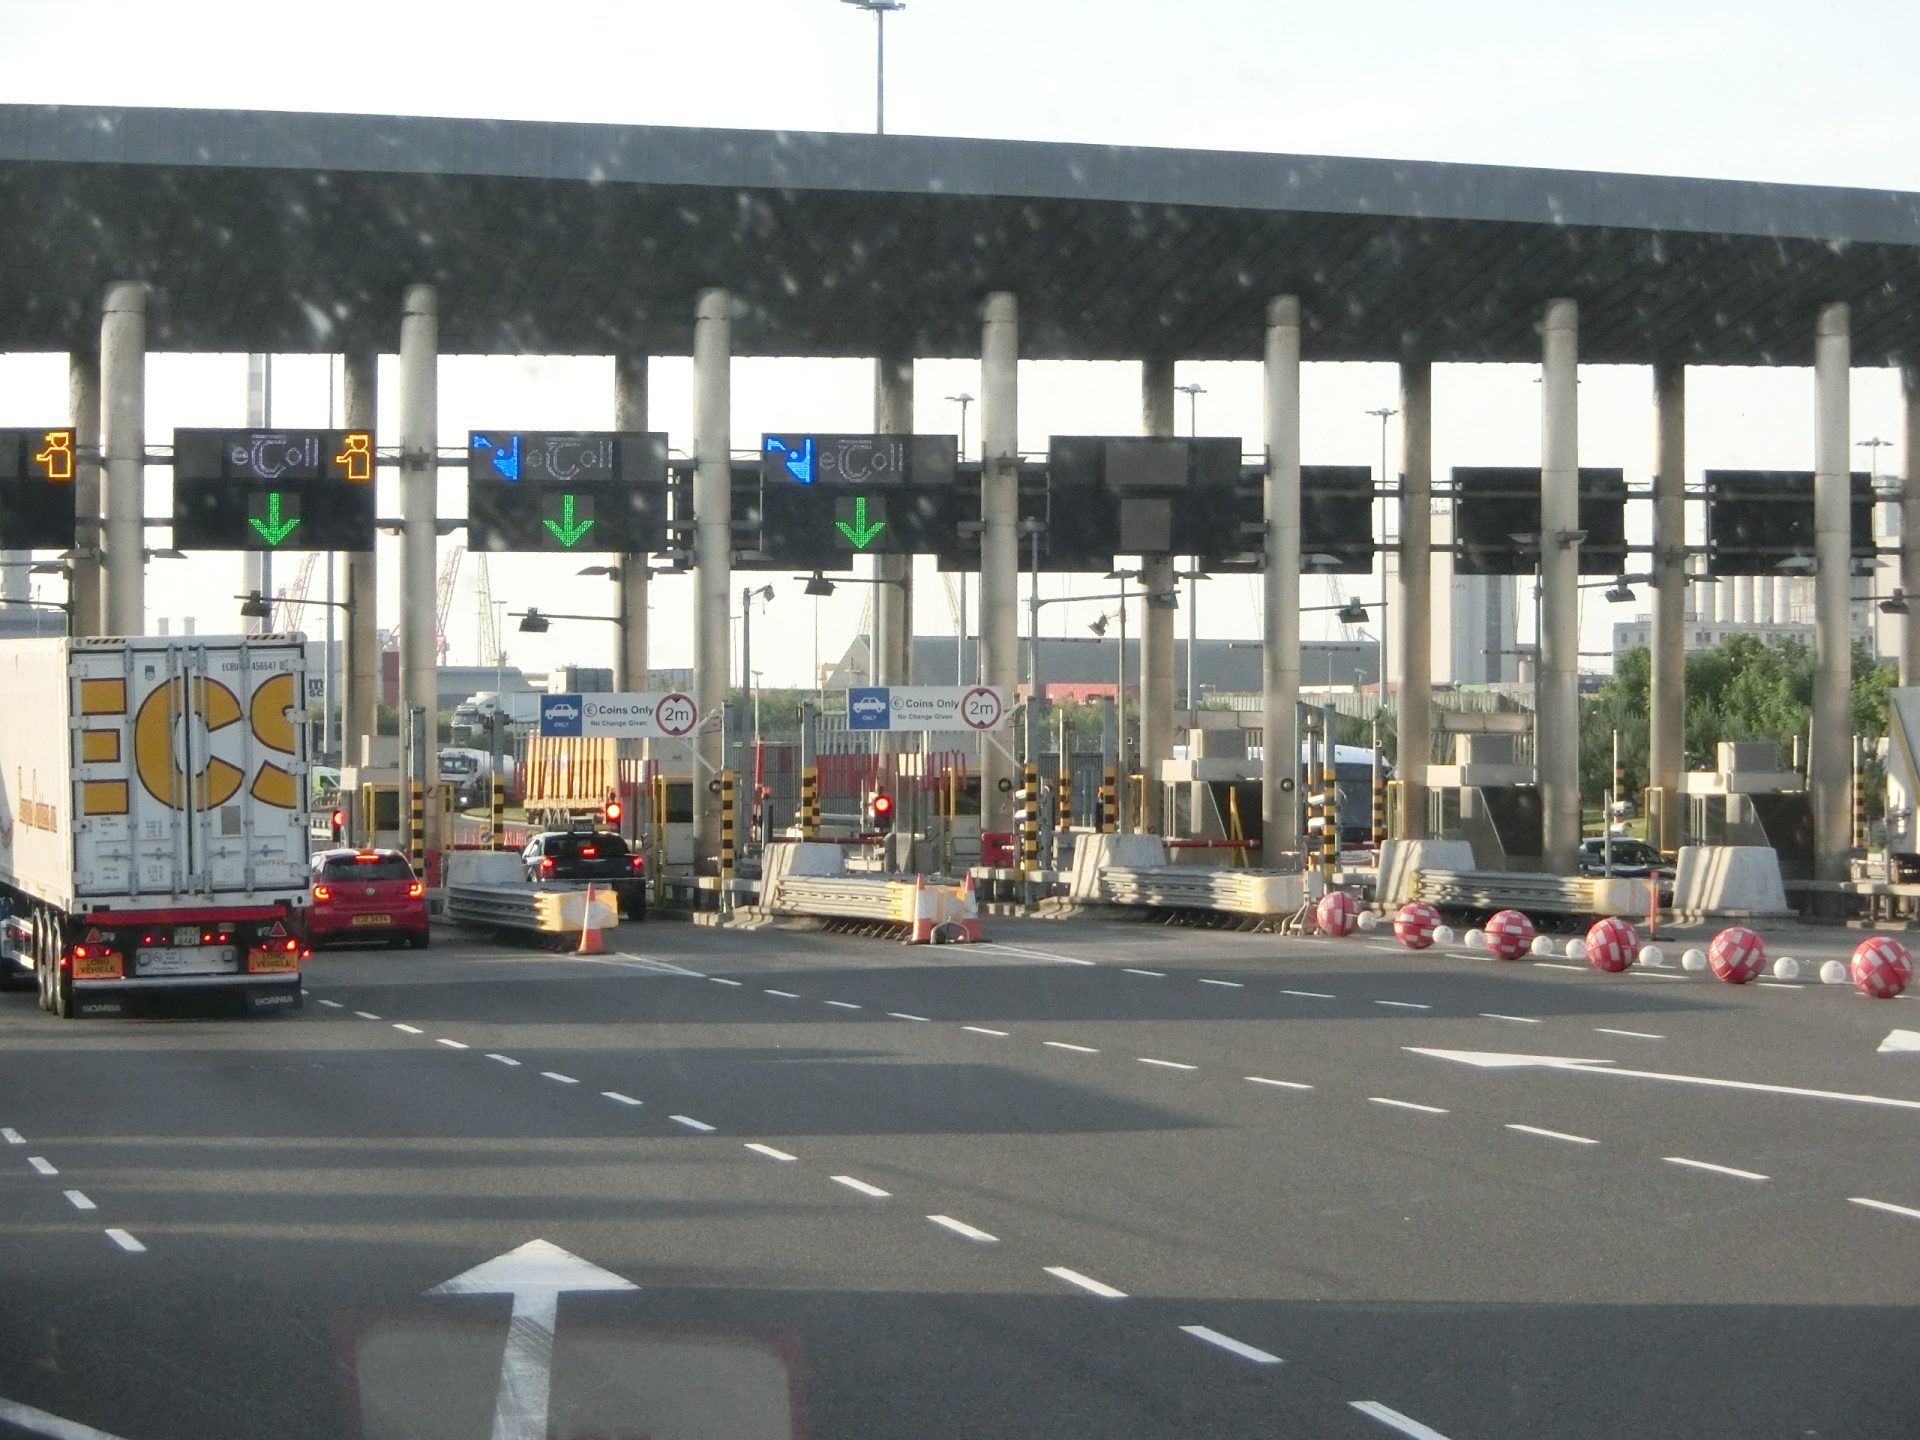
[[859, 533], [273, 529], [564, 529]]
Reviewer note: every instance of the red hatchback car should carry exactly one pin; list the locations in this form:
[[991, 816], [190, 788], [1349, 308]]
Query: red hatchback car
[[366, 895]]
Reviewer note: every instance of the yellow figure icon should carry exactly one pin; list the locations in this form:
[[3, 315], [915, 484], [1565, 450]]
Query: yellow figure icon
[[356, 456], [57, 458]]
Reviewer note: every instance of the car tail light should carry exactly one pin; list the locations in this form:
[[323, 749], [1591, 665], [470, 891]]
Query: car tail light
[[322, 894], [587, 852], [415, 889], [639, 862], [366, 857], [546, 862]]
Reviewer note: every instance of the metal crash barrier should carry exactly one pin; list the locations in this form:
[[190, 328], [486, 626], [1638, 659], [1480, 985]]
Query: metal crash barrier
[[1194, 887], [808, 879], [488, 890], [1490, 890]]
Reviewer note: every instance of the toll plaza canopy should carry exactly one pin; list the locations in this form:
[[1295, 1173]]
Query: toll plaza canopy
[[298, 232]]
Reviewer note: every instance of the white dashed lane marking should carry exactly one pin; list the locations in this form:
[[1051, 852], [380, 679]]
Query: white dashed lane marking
[[1630, 1034], [1715, 1169], [1086, 1283], [1883, 1205], [692, 1124], [1224, 984], [1167, 1064], [861, 1187], [784, 994], [126, 1241], [331, 1005], [558, 1078], [366, 1015], [1156, 974], [79, 1200], [772, 1154], [11, 1136], [1403, 1004], [1308, 994], [964, 1230], [902, 1015], [42, 1164], [1392, 1418], [406, 1029], [1516, 1019], [452, 1044], [1406, 1105], [843, 1005], [618, 1098], [502, 1059], [983, 1030], [722, 980], [1280, 1084], [1231, 1345], [1065, 1045], [1553, 1134]]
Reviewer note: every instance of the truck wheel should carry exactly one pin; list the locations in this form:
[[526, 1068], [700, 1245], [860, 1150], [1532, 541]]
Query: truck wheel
[[42, 967], [62, 980]]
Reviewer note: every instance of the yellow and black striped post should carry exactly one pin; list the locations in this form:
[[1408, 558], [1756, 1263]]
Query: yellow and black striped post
[[417, 826], [1380, 783], [657, 808], [1329, 819], [1397, 809], [1859, 798], [497, 813], [728, 779], [1029, 817], [1109, 801], [809, 802], [1063, 799]]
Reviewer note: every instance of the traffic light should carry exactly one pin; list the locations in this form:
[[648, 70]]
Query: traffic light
[[339, 825], [880, 810], [611, 812]]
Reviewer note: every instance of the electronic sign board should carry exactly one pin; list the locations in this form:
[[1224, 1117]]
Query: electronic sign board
[[825, 499], [1494, 503], [36, 489], [273, 489], [567, 491]]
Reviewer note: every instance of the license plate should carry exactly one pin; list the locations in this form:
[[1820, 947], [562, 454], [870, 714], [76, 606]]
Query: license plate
[[201, 960], [186, 935], [373, 919]]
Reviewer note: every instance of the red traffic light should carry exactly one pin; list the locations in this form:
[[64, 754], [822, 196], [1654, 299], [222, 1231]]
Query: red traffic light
[[613, 810], [882, 806]]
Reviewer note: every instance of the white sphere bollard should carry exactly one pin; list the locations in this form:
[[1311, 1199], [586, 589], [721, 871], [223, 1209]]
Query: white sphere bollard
[[1543, 945], [1575, 949], [1786, 968], [1367, 920], [1652, 955], [1443, 935], [1834, 972], [1475, 939], [1694, 959]]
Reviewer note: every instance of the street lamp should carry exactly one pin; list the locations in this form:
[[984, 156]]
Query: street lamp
[[1383, 414], [879, 9], [747, 595], [1193, 391], [963, 400]]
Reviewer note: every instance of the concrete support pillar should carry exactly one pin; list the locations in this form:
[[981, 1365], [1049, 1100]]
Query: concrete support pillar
[[630, 589], [712, 551], [1743, 588], [419, 508], [893, 597], [1910, 523], [1412, 597], [1667, 697], [360, 411], [123, 443], [1557, 685], [1832, 771], [1156, 621], [83, 409], [1280, 630], [1000, 539]]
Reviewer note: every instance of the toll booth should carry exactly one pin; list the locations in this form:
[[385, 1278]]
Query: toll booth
[[1487, 798], [1751, 798], [669, 822]]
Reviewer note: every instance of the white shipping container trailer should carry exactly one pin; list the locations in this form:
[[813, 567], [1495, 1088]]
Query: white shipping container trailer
[[153, 823]]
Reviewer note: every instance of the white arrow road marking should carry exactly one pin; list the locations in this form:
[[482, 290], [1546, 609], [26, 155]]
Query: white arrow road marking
[[1900, 1042], [1496, 1060], [536, 1276]]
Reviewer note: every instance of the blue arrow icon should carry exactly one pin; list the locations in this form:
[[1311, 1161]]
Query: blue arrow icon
[[799, 462], [506, 461]]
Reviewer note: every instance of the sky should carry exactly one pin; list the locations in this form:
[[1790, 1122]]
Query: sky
[[1752, 91]]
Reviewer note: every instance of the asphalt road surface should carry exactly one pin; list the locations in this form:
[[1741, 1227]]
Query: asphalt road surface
[[1082, 1180]]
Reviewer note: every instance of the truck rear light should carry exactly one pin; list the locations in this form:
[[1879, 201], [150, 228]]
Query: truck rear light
[[322, 894], [415, 889]]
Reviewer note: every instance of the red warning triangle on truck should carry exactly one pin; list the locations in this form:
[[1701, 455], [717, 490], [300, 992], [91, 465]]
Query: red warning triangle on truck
[[277, 932]]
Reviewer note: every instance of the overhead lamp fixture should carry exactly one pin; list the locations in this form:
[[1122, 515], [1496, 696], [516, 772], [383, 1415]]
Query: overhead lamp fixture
[[254, 606], [50, 567], [1319, 561], [1863, 566], [1894, 604], [1795, 565], [1352, 613], [1099, 626], [818, 585], [765, 592], [1163, 599], [612, 572], [533, 622], [1620, 594], [1567, 539]]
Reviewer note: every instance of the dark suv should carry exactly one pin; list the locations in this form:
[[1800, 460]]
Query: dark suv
[[597, 855], [1632, 859]]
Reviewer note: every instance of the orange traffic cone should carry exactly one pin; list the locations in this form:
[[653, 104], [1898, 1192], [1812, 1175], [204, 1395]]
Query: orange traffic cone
[[590, 942]]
